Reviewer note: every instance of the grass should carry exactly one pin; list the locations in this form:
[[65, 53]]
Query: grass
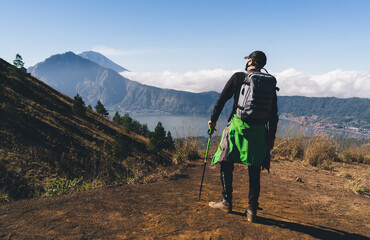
[[187, 149], [321, 151], [4, 197], [62, 186], [289, 148], [358, 188], [356, 155]]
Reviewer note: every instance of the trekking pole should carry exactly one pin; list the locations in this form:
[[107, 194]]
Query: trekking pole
[[210, 132]]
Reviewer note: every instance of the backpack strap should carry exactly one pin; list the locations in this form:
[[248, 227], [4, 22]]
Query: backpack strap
[[277, 89], [247, 79]]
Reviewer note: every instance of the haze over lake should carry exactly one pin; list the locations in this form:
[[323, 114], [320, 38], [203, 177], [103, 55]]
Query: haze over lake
[[186, 125]]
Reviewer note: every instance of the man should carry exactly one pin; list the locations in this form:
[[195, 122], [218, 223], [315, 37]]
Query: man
[[247, 142]]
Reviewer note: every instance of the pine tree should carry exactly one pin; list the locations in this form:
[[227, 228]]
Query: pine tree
[[126, 122], [157, 140], [121, 147], [101, 109], [170, 143], [78, 105], [144, 130], [117, 118], [18, 62]]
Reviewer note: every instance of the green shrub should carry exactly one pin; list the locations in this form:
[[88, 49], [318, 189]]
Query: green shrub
[[4, 197], [62, 186]]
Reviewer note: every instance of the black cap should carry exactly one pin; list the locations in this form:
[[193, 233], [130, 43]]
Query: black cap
[[259, 57]]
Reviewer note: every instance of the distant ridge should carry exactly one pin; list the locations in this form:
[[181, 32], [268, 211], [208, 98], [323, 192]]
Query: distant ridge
[[71, 74], [102, 61]]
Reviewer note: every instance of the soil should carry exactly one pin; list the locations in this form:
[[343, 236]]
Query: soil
[[299, 202]]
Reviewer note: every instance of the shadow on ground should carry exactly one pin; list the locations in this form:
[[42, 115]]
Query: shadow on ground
[[315, 231]]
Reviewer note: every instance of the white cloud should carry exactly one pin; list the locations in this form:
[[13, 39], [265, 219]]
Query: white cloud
[[337, 83], [200, 81], [107, 51]]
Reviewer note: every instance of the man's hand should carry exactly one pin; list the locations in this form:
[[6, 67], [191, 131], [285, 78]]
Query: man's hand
[[211, 126]]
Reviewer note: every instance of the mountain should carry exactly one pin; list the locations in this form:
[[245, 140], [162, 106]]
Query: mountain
[[102, 60], [349, 111], [42, 139], [72, 74]]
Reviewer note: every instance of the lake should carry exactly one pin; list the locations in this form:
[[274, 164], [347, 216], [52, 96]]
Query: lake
[[185, 125]]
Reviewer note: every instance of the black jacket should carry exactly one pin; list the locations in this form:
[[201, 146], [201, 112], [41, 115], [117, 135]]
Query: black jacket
[[232, 88]]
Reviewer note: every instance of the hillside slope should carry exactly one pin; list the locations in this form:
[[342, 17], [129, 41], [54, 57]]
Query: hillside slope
[[42, 139], [319, 207]]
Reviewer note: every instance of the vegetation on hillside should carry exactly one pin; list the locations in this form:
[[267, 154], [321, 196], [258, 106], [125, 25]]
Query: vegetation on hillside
[[78, 107], [99, 107], [48, 140]]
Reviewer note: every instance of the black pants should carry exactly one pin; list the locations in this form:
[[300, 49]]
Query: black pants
[[227, 182]]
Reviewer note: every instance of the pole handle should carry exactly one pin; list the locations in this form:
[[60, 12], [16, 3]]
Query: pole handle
[[211, 130]]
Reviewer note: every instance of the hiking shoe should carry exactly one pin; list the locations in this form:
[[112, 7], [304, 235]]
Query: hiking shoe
[[251, 215], [223, 205]]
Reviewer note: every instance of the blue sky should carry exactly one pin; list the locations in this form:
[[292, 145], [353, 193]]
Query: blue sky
[[312, 37]]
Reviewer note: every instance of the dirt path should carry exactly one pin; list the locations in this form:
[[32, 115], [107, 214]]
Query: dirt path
[[320, 208]]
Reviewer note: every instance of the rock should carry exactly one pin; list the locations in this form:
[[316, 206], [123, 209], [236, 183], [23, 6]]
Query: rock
[[299, 180]]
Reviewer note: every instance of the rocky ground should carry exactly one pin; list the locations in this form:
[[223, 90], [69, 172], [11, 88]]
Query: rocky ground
[[317, 206]]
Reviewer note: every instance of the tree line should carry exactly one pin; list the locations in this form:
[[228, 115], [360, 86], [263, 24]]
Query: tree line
[[158, 139]]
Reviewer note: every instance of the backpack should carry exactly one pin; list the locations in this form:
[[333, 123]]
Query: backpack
[[255, 97]]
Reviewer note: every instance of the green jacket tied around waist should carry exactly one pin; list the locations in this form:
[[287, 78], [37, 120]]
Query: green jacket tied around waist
[[242, 143]]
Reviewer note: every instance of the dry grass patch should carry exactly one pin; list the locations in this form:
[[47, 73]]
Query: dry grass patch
[[321, 151], [289, 148], [356, 154], [187, 149], [358, 188]]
